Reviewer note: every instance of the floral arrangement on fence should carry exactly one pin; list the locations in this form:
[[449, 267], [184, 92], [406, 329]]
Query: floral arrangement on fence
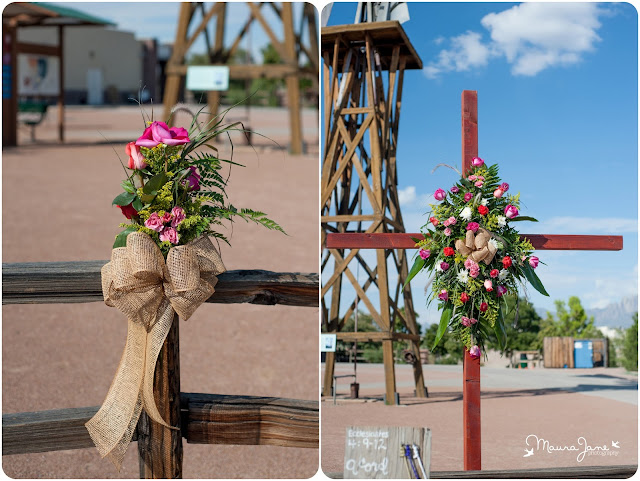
[[163, 263], [174, 193], [476, 256]]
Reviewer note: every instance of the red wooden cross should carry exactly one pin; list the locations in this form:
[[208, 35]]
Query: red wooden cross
[[471, 369]]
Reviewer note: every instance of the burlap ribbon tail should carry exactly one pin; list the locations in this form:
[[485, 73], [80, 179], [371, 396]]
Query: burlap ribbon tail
[[148, 291], [477, 246]]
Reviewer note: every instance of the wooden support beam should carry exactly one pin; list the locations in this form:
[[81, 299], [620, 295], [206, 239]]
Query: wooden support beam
[[61, 84], [292, 81], [360, 240], [70, 282], [38, 49], [208, 418], [160, 448]]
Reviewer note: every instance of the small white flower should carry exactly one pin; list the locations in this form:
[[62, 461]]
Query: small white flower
[[466, 213], [438, 268], [503, 274], [463, 276], [484, 202], [502, 221], [494, 243]]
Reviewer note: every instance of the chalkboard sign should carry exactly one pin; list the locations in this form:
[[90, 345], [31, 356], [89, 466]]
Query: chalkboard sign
[[387, 453]]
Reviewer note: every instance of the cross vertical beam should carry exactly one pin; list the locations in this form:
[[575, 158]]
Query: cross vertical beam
[[471, 366]]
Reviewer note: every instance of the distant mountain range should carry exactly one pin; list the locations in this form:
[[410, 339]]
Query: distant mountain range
[[617, 314]]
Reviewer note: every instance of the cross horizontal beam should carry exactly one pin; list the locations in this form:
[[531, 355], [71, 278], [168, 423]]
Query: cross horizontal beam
[[359, 240]]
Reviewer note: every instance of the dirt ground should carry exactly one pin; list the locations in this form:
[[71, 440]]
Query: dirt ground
[[57, 207], [559, 405]]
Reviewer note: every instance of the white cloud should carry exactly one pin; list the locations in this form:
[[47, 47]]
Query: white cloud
[[587, 225], [407, 195], [531, 37]]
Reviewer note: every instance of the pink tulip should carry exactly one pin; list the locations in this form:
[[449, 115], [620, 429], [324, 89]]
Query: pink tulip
[[160, 133], [498, 193], [425, 253], [501, 291], [533, 261], [444, 295], [440, 194], [477, 161], [475, 352], [504, 186], [454, 189], [136, 159], [468, 196], [510, 211]]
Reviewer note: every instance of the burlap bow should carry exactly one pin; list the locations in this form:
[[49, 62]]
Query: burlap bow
[[477, 246], [147, 290]]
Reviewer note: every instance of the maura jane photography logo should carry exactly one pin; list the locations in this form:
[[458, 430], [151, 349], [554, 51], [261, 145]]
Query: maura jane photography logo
[[536, 444]]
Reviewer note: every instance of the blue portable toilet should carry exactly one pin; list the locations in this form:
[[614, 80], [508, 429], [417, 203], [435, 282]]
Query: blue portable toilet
[[583, 354]]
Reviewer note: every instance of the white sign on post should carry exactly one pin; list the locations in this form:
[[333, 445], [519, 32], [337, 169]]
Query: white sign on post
[[207, 77], [328, 342], [387, 453]]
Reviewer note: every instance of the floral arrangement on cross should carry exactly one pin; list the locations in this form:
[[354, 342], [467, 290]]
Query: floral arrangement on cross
[[163, 263], [476, 256]]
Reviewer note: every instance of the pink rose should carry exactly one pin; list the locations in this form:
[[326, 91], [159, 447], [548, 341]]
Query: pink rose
[[160, 133], [473, 177], [447, 232], [169, 234], [446, 223], [444, 295], [501, 291], [480, 177], [136, 159], [466, 322], [166, 218], [510, 211], [504, 186], [473, 226], [454, 189], [477, 161], [425, 253], [440, 194], [468, 196], [444, 266], [533, 261], [473, 321], [478, 183], [178, 216], [488, 285], [475, 352], [452, 220], [474, 271], [469, 263], [154, 222], [498, 193]]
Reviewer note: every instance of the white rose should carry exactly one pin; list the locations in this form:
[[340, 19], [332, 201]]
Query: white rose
[[466, 213]]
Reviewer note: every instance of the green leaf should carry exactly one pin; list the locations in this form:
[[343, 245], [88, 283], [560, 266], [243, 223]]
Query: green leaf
[[128, 186], [533, 279], [137, 204], [417, 266], [121, 239], [444, 323], [148, 198], [523, 217], [123, 199], [155, 183], [500, 331]]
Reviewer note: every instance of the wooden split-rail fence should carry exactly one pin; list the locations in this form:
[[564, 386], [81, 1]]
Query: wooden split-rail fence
[[203, 418]]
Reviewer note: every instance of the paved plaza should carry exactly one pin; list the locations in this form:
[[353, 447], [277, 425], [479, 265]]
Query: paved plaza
[[558, 405]]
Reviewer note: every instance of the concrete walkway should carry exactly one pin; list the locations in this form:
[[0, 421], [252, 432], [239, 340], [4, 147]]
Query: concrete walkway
[[559, 405]]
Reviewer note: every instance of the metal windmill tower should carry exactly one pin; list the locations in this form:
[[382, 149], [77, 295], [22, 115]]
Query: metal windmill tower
[[364, 65]]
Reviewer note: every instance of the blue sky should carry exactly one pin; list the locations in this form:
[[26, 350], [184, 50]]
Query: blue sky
[[160, 21], [557, 97]]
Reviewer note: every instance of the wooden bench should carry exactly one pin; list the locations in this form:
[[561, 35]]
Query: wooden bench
[[32, 114]]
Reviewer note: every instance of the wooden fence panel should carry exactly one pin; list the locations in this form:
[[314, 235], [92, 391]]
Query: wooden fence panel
[[558, 352]]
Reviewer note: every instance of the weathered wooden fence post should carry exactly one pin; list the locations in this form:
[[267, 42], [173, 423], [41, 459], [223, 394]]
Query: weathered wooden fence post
[[160, 448]]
